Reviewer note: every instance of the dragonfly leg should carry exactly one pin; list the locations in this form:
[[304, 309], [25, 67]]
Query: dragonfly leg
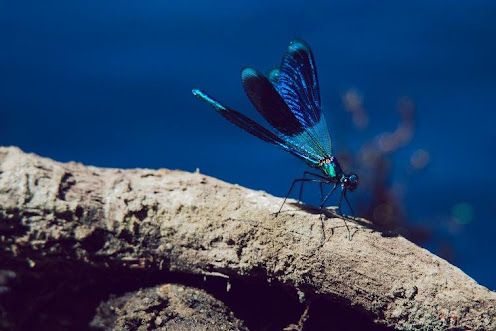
[[343, 217], [349, 205], [321, 192], [328, 196], [340, 201], [308, 173], [292, 186], [322, 227], [322, 206]]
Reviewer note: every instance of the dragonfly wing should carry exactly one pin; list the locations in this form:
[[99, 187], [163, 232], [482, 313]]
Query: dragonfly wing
[[256, 129], [298, 85], [273, 75], [269, 103]]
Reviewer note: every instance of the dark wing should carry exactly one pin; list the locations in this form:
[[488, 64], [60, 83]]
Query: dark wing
[[256, 129], [273, 75], [269, 103], [297, 83]]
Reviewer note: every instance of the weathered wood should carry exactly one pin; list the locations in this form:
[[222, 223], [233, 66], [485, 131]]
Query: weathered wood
[[189, 222], [165, 307]]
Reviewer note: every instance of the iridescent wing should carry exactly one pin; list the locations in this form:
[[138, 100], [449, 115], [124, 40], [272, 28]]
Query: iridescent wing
[[256, 129], [297, 83]]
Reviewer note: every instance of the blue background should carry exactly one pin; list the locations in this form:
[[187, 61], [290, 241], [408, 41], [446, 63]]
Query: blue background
[[108, 83]]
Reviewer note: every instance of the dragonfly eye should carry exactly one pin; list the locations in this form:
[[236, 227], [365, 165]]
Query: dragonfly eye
[[351, 182]]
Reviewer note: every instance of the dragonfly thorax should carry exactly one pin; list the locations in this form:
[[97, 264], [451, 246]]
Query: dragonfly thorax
[[331, 167]]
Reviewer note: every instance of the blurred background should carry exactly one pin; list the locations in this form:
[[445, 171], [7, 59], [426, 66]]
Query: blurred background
[[408, 90]]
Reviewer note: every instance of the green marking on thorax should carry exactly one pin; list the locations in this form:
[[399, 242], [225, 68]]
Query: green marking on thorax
[[328, 169]]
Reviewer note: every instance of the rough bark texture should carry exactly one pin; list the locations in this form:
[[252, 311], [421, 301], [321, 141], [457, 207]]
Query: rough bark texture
[[165, 307], [179, 222]]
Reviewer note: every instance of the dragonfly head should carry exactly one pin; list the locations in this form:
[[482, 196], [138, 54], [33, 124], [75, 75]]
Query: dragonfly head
[[350, 182]]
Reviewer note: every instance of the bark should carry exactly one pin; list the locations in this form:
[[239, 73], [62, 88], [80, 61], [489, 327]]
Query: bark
[[179, 222], [165, 307]]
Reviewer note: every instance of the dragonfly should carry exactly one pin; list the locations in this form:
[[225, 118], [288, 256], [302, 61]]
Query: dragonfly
[[288, 97]]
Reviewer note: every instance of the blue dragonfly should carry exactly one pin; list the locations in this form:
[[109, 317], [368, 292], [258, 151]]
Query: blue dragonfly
[[289, 100]]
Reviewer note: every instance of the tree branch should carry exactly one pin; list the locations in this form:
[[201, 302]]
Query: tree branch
[[188, 222]]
